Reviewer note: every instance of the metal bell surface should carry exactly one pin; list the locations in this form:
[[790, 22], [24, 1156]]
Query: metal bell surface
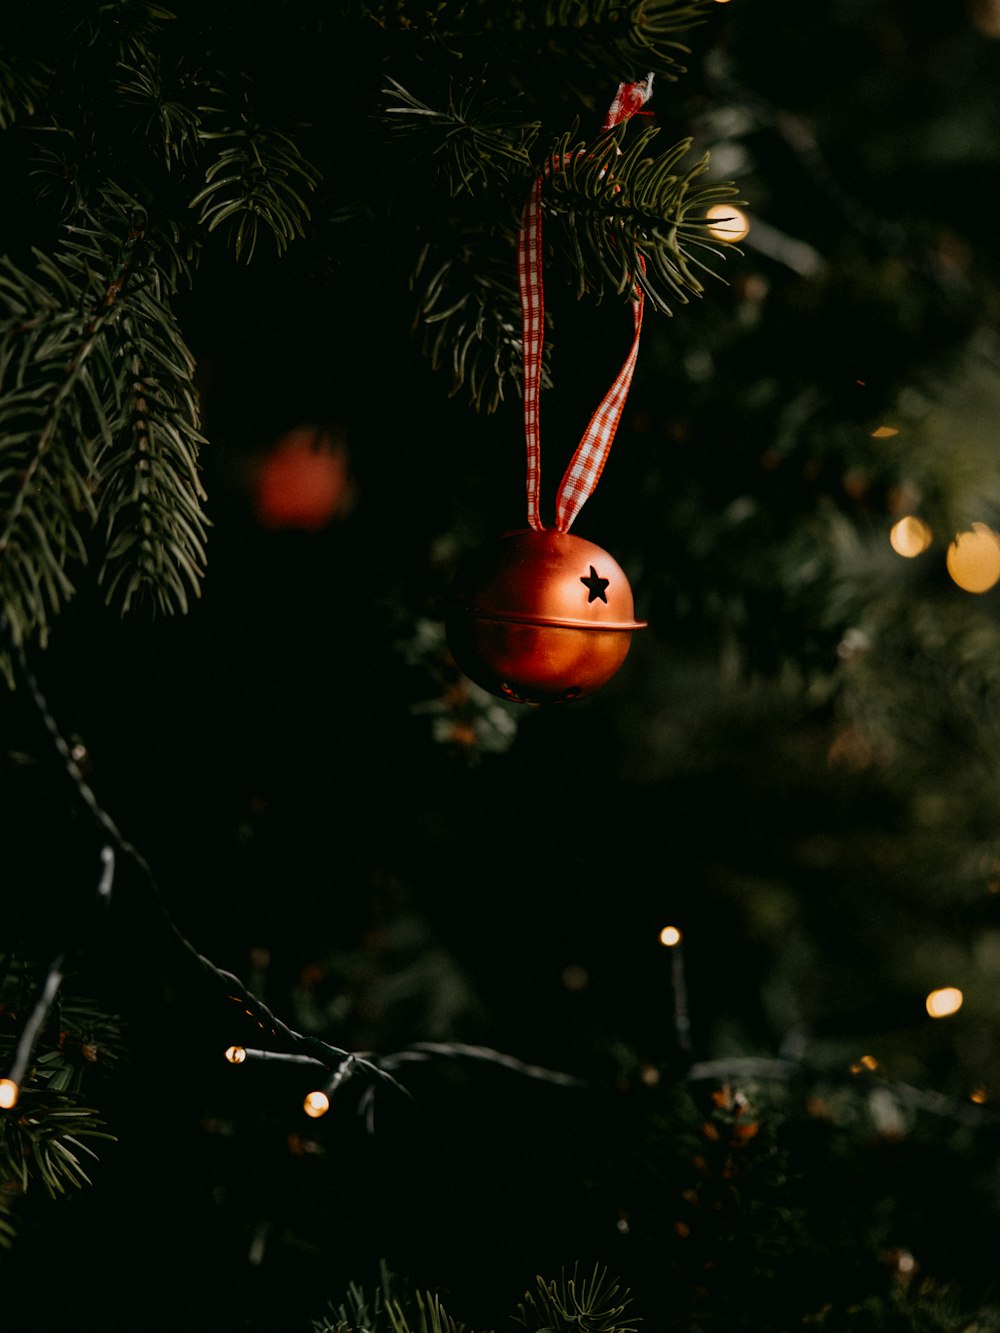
[[541, 616]]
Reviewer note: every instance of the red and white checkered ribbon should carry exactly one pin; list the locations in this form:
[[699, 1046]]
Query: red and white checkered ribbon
[[587, 464]]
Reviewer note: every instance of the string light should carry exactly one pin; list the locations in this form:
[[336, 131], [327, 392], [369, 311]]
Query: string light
[[316, 1104], [236, 1055], [727, 223], [974, 559], [910, 536], [670, 936], [978, 1096], [884, 433], [226, 981], [944, 1002], [9, 1092]]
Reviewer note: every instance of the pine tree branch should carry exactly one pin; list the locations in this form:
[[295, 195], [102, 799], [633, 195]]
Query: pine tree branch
[[44, 1139], [49, 416], [7, 1230], [21, 84], [618, 37], [148, 473], [96, 400], [619, 204], [392, 1309], [612, 205], [573, 1304], [257, 181], [478, 142], [168, 102], [576, 1304], [470, 311]]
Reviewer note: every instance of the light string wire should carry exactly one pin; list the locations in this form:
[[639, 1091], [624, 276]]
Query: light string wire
[[332, 1057], [341, 1063]]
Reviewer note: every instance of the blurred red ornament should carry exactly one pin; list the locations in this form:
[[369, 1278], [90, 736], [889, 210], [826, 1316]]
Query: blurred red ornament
[[303, 481], [540, 616]]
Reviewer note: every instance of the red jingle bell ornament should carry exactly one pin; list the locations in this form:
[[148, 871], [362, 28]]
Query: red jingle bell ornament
[[536, 615], [541, 617]]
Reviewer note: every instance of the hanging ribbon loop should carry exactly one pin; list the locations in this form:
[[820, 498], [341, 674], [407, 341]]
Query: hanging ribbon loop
[[587, 464], [529, 275]]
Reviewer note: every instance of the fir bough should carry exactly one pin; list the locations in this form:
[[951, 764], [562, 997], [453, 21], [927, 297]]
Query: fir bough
[[587, 1303], [140, 137], [45, 1138], [99, 421], [626, 205], [577, 1304], [392, 1308]]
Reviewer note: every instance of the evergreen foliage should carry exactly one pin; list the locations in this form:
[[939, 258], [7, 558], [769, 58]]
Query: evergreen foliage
[[46, 1140], [98, 404], [99, 420], [577, 1303], [808, 748]]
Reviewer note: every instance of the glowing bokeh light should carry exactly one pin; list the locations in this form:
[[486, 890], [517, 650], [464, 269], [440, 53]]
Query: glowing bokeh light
[[944, 1002], [316, 1104], [867, 1062], [8, 1093], [985, 16], [235, 1055], [978, 1096], [910, 536], [974, 559], [670, 936], [884, 433], [727, 223]]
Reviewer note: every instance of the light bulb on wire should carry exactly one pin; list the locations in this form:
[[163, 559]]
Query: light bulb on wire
[[316, 1104], [9, 1092]]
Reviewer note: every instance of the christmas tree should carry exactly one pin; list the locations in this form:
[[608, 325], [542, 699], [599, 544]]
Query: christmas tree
[[339, 992]]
